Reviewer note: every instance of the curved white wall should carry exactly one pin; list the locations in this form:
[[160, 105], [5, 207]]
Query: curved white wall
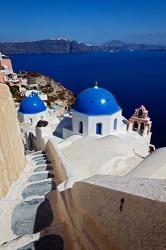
[[89, 124]]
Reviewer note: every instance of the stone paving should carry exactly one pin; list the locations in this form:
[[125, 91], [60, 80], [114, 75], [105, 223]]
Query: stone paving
[[29, 211]]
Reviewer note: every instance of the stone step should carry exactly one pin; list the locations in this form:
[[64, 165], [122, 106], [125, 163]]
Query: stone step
[[34, 242], [43, 162], [39, 177], [39, 189], [38, 152], [43, 168], [28, 152], [51, 242], [39, 157]]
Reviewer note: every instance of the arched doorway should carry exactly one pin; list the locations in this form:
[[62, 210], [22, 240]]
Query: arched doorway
[[135, 125], [115, 124], [80, 127], [98, 128]]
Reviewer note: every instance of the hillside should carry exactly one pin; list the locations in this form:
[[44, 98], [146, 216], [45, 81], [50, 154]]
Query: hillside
[[46, 85]]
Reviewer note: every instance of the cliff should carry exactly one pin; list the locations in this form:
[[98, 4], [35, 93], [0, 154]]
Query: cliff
[[65, 46], [12, 159], [57, 46]]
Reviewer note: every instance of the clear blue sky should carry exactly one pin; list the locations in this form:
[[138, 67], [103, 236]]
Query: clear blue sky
[[93, 21]]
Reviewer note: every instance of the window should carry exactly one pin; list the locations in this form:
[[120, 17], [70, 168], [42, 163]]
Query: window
[[80, 127], [98, 128], [140, 113], [115, 124]]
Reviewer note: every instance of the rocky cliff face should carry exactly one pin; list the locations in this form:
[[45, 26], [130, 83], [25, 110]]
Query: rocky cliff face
[[65, 46]]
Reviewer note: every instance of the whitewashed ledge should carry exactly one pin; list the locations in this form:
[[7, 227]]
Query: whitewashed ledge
[[154, 189]]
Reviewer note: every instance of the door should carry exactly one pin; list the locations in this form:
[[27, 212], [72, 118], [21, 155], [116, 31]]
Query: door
[[98, 128]]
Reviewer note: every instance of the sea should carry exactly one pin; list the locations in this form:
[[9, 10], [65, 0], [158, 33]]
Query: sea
[[134, 78]]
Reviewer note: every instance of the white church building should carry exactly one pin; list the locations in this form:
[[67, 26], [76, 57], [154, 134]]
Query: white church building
[[32, 109], [96, 112]]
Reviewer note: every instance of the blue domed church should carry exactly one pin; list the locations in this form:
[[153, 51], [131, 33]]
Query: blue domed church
[[96, 112], [32, 109]]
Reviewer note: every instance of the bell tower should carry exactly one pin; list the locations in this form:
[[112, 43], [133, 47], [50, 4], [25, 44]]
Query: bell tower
[[140, 122]]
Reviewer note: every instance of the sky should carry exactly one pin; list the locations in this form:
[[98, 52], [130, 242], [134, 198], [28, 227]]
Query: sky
[[89, 21]]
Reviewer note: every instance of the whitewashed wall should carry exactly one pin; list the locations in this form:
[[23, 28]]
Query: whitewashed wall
[[35, 117]]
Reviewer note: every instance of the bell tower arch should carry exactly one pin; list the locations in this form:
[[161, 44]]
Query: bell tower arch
[[140, 122]]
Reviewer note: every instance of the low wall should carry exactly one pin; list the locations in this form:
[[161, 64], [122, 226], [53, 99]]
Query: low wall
[[109, 212], [57, 161], [12, 159]]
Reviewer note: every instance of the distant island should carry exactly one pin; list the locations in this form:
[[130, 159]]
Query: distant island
[[65, 46]]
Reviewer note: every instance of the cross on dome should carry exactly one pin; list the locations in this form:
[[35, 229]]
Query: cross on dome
[[96, 85]]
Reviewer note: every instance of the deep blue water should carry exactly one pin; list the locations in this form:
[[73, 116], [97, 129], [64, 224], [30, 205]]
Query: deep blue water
[[134, 78]]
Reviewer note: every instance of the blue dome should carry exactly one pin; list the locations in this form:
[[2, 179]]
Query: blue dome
[[96, 101], [32, 104]]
